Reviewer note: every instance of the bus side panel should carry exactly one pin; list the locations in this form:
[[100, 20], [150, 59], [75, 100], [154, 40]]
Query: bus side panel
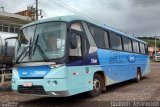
[[121, 66], [80, 78]]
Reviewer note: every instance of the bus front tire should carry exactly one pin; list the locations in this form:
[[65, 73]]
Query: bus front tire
[[97, 86]]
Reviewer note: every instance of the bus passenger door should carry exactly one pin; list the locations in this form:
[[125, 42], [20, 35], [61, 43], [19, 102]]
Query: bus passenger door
[[76, 57]]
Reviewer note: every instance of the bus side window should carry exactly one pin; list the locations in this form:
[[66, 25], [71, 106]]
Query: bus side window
[[99, 36], [115, 41], [127, 44], [146, 50], [142, 48], [135, 46], [106, 39]]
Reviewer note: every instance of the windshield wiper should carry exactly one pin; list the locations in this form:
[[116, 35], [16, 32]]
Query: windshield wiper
[[25, 49], [29, 52], [40, 49]]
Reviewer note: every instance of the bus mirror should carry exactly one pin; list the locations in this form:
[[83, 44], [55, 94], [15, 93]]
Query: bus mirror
[[73, 41]]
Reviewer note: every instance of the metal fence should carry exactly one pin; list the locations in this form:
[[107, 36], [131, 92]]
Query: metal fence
[[5, 77]]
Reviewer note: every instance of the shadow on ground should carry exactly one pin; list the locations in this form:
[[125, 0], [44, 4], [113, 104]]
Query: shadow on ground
[[80, 100]]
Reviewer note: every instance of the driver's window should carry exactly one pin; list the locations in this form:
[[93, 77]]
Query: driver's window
[[77, 51]]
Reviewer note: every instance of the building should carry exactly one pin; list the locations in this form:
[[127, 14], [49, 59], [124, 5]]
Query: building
[[27, 13], [151, 50], [9, 27], [11, 23]]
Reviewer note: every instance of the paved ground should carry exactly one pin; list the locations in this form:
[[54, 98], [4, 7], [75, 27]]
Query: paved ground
[[148, 89]]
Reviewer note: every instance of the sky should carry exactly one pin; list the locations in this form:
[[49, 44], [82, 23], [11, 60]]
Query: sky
[[135, 17]]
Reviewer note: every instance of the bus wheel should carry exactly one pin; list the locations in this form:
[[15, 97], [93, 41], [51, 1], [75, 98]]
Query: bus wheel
[[138, 78], [97, 86]]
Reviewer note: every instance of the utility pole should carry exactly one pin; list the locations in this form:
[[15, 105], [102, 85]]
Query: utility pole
[[155, 46], [36, 10]]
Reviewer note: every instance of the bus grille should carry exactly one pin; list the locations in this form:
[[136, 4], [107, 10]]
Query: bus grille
[[39, 90]]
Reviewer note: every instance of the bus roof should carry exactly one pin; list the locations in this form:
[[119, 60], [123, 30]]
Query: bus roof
[[69, 18]]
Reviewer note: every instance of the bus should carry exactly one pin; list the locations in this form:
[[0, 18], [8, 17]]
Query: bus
[[67, 55]]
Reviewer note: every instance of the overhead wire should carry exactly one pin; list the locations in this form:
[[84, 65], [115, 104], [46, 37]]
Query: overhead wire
[[11, 6], [75, 11], [70, 9], [123, 7]]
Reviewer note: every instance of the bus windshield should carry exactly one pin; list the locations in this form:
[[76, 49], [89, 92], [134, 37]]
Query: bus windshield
[[41, 42]]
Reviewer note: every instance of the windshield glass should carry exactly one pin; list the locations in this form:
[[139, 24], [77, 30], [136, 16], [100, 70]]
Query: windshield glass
[[44, 41]]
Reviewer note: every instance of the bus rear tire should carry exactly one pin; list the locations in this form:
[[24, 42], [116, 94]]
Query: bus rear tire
[[139, 77], [97, 86]]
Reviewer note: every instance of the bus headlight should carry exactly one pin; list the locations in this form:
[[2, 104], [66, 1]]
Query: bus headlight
[[52, 82], [55, 82], [49, 82]]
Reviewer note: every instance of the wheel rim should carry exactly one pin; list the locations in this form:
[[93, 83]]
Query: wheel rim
[[138, 76], [96, 85]]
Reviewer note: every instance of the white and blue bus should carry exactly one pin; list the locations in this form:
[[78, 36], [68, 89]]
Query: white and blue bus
[[68, 55]]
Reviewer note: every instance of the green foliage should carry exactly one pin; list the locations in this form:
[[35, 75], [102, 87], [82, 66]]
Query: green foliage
[[151, 41]]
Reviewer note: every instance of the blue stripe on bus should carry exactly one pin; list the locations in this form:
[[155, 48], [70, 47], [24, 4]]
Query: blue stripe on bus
[[91, 59], [35, 71]]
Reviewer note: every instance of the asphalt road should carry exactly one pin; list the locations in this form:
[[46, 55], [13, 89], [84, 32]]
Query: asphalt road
[[147, 91]]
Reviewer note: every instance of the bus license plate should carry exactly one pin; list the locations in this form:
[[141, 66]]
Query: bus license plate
[[27, 84]]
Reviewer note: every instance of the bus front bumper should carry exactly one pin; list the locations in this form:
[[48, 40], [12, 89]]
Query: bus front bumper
[[48, 94], [41, 87]]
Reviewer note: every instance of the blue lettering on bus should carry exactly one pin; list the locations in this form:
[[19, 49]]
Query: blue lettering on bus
[[115, 57], [131, 58]]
